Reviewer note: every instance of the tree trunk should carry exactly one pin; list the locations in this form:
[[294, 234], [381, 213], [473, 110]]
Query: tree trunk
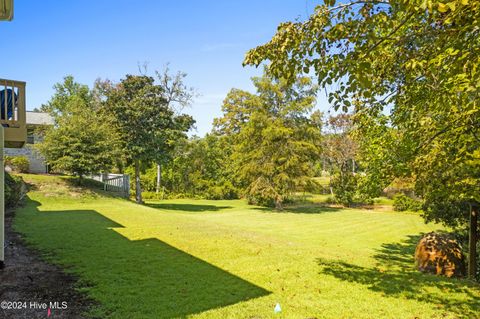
[[473, 237], [159, 177], [278, 203], [330, 185], [138, 189]]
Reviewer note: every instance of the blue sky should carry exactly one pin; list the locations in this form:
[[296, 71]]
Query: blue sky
[[108, 38]]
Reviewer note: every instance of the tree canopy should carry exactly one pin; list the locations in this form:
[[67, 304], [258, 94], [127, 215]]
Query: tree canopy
[[411, 69], [144, 122], [275, 137], [415, 60], [81, 141]]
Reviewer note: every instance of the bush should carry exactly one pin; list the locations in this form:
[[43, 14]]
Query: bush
[[402, 202], [262, 193], [15, 188], [345, 188], [148, 178], [461, 235], [155, 195], [19, 164], [403, 186], [331, 200], [222, 191]]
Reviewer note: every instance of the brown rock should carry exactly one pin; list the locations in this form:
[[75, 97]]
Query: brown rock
[[440, 254]]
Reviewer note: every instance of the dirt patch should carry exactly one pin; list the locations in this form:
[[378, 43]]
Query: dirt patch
[[33, 285]]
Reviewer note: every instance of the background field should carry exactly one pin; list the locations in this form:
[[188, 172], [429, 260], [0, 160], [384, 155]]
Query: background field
[[226, 259]]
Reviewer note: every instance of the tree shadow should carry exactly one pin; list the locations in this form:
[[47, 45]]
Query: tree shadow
[[301, 209], [144, 278], [88, 186], [395, 275], [188, 207]]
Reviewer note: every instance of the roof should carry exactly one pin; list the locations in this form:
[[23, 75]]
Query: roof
[[39, 118]]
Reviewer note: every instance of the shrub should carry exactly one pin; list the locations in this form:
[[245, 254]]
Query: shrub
[[399, 186], [262, 193], [14, 189], [148, 178], [344, 187], [331, 200], [402, 202], [19, 164], [224, 190], [154, 195]]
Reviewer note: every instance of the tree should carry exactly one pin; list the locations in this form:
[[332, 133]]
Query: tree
[[340, 148], [177, 96], [144, 122], [274, 140], [65, 93], [81, 142], [202, 167], [416, 61]]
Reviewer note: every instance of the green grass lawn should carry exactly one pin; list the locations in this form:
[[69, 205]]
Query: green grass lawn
[[225, 259]]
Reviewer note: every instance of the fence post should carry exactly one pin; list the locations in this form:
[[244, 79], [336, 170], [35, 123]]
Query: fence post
[[126, 185]]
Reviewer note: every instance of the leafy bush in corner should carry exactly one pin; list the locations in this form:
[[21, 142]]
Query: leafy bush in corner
[[402, 202], [14, 189], [19, 164]]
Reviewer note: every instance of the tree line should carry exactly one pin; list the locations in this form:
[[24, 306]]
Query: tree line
[[266, 146]]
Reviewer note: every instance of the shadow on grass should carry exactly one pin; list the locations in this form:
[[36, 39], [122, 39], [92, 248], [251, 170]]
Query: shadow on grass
[[87, 184], [395, 275], [144, 278], [188, 207], [301, 209]]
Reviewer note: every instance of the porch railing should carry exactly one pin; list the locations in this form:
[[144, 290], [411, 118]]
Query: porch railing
[[13, 112]]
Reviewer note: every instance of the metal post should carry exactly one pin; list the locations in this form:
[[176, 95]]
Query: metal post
[[2, 203]]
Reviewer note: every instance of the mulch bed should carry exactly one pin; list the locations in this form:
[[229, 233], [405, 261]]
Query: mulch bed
[[27, 279]]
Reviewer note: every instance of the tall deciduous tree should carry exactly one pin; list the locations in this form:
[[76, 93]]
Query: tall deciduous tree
[[81, 141], [145, 123], [417, 59], [177, 96]]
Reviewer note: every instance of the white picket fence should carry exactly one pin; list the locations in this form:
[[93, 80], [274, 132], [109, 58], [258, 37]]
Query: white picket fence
[[116, 183]]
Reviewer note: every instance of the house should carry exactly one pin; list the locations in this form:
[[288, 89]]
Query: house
[[34, 120]]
